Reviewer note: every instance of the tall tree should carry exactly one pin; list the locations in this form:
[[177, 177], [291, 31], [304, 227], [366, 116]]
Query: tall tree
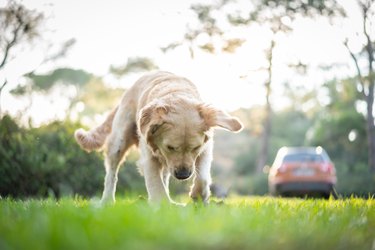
[[366, 73]]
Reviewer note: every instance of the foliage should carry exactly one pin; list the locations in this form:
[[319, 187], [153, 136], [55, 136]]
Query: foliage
[[44, 82], [238, 223], [308, 8], [61, 75], [334, 126], [134, 64], [47, 161], [359, 183]]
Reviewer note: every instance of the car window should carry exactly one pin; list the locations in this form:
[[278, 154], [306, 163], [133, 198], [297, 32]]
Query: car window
[[303, 158]]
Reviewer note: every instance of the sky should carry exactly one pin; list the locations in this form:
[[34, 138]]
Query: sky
[[109, 32]]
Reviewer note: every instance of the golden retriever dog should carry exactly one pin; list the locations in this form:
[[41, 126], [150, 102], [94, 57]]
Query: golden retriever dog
[[165, 117]]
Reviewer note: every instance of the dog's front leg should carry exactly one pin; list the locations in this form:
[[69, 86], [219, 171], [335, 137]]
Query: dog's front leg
[[156, 189], [202, 180], [156, 177]]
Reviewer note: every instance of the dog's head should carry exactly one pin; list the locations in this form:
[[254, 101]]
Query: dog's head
[[177, 133]]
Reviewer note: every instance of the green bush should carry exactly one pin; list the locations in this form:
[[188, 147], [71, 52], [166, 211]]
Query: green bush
[[357, 184], [46, 161], [354, 179]]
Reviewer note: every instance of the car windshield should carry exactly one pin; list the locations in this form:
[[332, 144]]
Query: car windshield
[[303, 157]]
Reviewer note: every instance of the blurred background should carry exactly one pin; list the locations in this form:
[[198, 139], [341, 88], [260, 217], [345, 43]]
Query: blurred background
[[296, 72]]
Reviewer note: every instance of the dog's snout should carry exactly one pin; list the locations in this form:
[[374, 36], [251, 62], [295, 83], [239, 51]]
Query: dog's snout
[[182, 173]]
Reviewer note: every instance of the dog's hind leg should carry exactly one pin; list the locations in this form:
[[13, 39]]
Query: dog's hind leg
[[122, 137], [95, 138], [202, 180]]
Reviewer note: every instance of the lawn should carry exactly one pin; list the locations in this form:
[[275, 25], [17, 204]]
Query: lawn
[[236, 223]]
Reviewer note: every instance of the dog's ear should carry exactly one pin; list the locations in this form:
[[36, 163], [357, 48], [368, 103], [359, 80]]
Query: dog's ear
[[151, 118], [214, 117]]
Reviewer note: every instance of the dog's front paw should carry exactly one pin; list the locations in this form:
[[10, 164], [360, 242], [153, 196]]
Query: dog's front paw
[[199, 194], [99, 203], [158, 203], [199, 199], [178, 204], [107, 201]]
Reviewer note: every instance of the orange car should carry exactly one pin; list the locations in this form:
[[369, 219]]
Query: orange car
[[302, 171]]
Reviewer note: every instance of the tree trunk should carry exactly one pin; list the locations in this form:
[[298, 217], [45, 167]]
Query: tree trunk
[[267, 125], [370, 128], [370, 95], [263, 154], [370, 104], [1, 91]]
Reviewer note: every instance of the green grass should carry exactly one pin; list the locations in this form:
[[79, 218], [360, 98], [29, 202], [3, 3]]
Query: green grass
[[238, 223]]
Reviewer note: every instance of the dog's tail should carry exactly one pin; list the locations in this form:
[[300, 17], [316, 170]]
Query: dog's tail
[[95, 138]]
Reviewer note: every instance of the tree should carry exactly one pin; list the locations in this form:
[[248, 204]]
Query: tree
[[18, 25], [366, 74]]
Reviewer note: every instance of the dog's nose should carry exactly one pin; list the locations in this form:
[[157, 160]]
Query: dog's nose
[[182, 173]]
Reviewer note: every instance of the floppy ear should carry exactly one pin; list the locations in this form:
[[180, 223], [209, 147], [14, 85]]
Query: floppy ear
[[214, 117], [151, 118]]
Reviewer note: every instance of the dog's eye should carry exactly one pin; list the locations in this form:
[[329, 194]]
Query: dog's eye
[[171, 148], [196, 148]]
